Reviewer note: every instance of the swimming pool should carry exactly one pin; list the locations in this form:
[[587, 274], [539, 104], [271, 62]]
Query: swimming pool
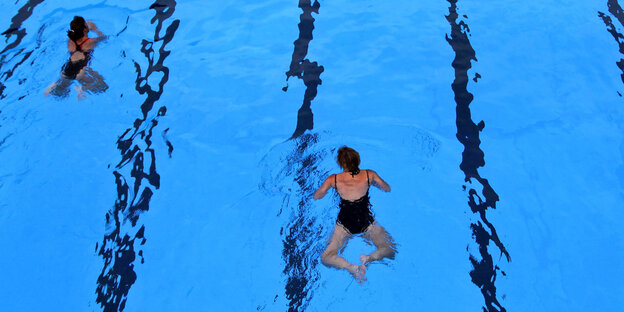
[[187, 184]]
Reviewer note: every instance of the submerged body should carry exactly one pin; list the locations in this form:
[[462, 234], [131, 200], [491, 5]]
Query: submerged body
[[355, 217]]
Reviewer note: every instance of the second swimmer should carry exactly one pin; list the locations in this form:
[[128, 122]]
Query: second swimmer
[[80, 47]]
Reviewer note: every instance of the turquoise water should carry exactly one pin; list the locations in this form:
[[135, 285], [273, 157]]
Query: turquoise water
[[187, 184]]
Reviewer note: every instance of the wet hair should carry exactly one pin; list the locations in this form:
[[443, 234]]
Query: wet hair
[[77, 28], [349, 159]]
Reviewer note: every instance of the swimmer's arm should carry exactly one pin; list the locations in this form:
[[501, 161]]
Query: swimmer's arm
[[379, 182], [101, 36], [320, 193]]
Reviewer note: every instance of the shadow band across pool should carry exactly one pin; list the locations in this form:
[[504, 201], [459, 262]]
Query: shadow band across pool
[[118, 248], [484, 271]]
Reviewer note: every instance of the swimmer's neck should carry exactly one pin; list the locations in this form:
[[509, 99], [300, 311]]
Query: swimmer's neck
[[345, 170]]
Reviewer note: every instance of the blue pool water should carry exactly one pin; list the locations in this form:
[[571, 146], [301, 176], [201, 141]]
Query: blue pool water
[[187, 184]]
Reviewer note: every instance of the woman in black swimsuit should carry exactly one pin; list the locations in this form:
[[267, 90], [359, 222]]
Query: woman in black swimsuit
[[355, 216], [80, 47]]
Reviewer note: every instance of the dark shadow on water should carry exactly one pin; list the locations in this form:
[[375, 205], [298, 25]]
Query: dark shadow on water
[[302, 68], [123, 228], [303, 231], [299, 234], [484, 272], [302, 243], [18, 33], [616, 10]]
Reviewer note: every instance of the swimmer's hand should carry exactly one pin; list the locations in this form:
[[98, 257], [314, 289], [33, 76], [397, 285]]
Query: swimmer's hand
[[91, 25], [94, 28]]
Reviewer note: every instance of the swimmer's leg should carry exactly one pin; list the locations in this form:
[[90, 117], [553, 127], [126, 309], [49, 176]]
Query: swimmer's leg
[[92, 81], [331, 258], [58, 88], [382, 240]]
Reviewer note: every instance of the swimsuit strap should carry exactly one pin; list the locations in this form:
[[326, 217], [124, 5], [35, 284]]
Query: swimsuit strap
[[367, 180], [79, 46], [336, 182]]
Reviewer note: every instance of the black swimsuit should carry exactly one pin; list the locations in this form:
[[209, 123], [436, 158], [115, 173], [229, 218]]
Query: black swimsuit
[[355, 215], [73, 68]]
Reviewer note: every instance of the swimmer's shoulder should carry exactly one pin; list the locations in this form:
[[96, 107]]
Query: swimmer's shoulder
[[89, 44], [71, 45], [372, 175]]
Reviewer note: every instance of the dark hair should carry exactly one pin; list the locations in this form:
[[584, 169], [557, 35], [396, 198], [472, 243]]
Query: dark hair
[[77, 28], [349, 159]]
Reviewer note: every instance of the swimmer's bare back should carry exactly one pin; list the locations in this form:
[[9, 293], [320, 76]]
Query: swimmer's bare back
[[352, 187]]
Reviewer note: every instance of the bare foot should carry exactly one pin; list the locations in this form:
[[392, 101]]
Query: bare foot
[[358, 272], [49, 89], [81, 93]]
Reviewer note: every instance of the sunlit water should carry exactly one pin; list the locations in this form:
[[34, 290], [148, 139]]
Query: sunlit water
[[187, 185]]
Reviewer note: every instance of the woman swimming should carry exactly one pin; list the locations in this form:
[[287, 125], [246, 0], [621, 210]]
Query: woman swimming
[[355, 216], [80, 47]]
